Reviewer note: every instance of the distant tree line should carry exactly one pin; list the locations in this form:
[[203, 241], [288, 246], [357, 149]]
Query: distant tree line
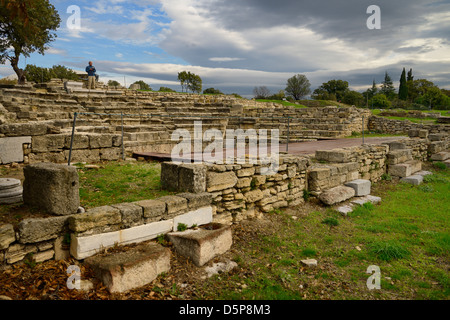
[[412, 94]]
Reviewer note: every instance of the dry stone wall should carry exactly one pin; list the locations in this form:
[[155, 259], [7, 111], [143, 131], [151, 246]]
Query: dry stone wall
[[384, 125]]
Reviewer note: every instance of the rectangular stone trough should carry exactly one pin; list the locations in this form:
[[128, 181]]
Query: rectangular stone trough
[[134, 268], [202, 244]]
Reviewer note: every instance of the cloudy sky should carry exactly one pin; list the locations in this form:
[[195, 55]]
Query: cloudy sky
[[235, 45]]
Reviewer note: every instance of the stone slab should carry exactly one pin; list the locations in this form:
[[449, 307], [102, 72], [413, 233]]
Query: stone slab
[[202, 245], [336, 195], [414, 180], [405, 169], [369, 198], [197, 217], [34, 230], [441, 156], [345, 210], [124, 271], [361, 187], [11, 149], [8, 183], [7, 236], [83, 247]]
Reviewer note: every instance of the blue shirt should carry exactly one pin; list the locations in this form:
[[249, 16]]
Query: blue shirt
[[90, 70]]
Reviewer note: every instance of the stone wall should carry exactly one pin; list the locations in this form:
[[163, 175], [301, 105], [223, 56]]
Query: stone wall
[[36, 126], [85, 234], [384, 125]]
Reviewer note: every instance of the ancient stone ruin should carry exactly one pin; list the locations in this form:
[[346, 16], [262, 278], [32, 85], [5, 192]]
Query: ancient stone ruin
[[36, 129]]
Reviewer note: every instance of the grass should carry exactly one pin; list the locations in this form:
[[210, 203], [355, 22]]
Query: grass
[[284, 103], [118, 182], [407, 236]]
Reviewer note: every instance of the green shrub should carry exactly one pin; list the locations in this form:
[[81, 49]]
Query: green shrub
[[332, 222], [439, 165], [182, 227]]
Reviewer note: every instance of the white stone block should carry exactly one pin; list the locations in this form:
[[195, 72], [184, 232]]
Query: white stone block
[[361, 187], [11, 149], [414, 180], [197, 217], [83, 247]]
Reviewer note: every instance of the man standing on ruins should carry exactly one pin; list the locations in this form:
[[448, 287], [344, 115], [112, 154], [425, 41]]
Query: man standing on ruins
[[90, 69]]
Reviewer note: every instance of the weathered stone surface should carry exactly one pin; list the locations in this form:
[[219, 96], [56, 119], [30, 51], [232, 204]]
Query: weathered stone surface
[[124, 271], [202, 245], [11, 149], [82, 247], [220, 181], [192, 178], [152, 208], [17, 252], [399, 156], [42, 229], [48, 143], [8, 183], [369, 198], [196, 217], [95, 218], [7, 235], [132, 214], [43, 256], [361, 187], [345, 210], [174, 204], [441, 156], [414, 180], [52, 187], [336, 195], [197, 200], [405, 169], [253, 196], [169, 176]]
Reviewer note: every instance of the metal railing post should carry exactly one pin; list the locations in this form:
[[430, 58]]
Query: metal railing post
[[71, 139]]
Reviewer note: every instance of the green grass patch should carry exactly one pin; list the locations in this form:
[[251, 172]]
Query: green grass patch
[[284, 103], [118, 182]]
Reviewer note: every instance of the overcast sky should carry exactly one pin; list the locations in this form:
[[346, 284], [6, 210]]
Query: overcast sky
[[235, 45]]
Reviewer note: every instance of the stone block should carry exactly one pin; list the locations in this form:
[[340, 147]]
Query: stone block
[[203, 244], [124, 271], [169, 176], [197, 200], [82, 247], [396, 145], [441, 156], [95, 218], [197, 217], [369, 198], [174, 204], [336, 195], [132, 214], [152, 209], [361, 187], [345, 210], [414, 180], [52, 187], [41, 229], [11, 149], [192, 178], [320, 173], [398, 156], [253, 196], [405, 169], [220, 181], [7, 236], [48, 143]]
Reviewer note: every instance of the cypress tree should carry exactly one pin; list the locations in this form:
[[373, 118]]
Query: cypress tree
[[403, 89]]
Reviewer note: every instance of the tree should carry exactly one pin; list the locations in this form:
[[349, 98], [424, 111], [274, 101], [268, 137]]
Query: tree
[[403, 88], [261, 92], [190, 81], [212, 91], [26, 26], [298, 86], [381, 101], [63, 73], [353, 98], [143, 85], [387, 87], [331, 90], [113, 83]]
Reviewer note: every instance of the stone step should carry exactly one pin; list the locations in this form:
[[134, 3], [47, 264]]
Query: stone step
[[336, 195], [414, 180], [203, 244], [134, 268], [361, 187], [405, 169], [398, 156], [441, 156]]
